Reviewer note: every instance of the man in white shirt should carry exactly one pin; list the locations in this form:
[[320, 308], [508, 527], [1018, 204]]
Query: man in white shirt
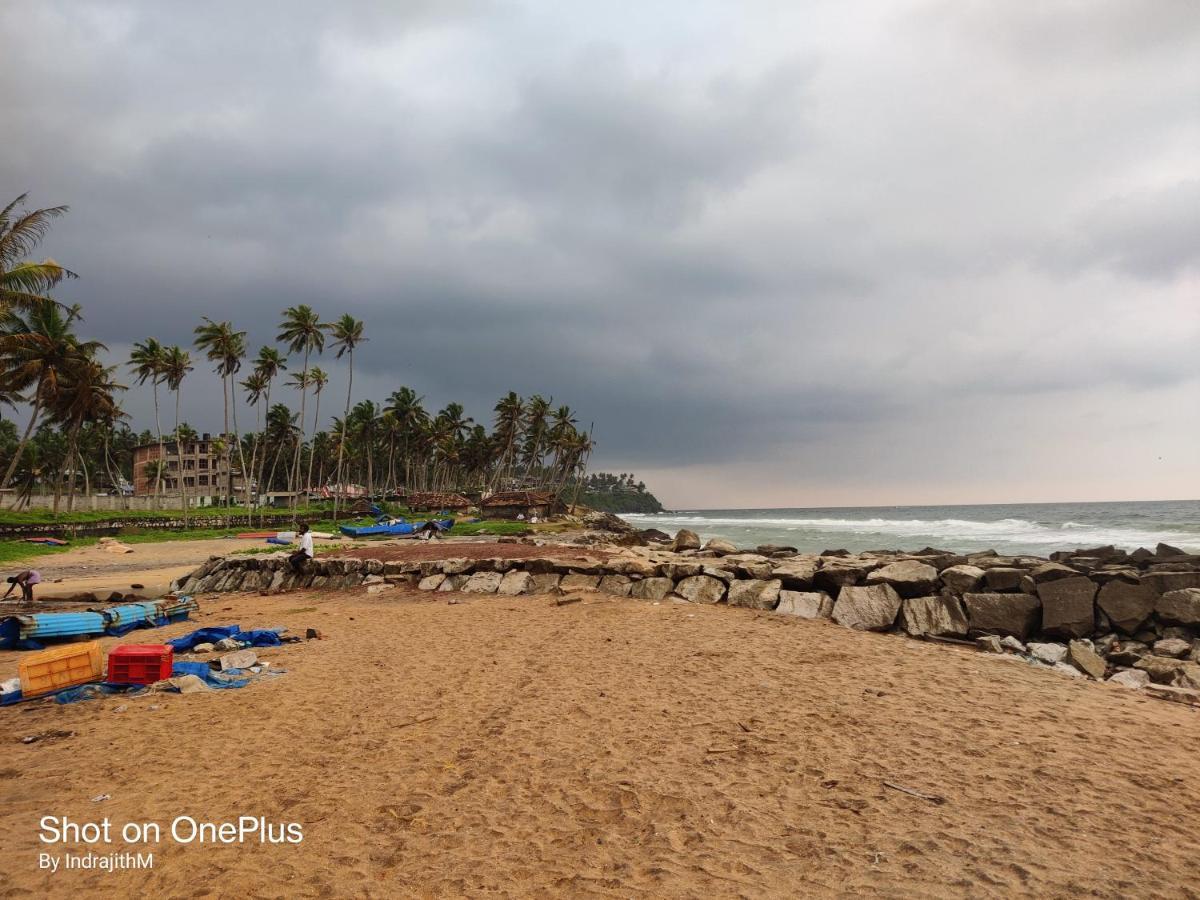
[[305, 553]]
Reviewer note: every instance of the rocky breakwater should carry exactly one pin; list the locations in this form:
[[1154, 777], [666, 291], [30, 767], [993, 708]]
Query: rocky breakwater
[[1132, 618]]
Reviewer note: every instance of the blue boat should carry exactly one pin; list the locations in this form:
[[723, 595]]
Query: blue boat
[[28, 631], [393, 527]]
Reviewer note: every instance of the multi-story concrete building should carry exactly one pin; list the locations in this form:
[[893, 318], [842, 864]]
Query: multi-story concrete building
[[200, 468]]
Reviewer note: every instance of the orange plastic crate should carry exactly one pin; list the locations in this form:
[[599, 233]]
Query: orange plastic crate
[[60, 667]]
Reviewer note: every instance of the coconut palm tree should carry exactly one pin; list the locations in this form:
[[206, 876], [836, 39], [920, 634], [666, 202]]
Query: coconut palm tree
[[146, 361], [24, 283], [225, 347], [36, 350], [301, 330], [87, 394], [268, 364], [176, 363], [317, 380], [256, 386], [510, 412], [406, 406], [347, 333]]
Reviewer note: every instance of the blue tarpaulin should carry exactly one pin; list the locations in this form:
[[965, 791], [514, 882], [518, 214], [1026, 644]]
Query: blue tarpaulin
[[256, 637]]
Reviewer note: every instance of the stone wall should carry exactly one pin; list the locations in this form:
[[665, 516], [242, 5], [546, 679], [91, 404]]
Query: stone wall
[[1090, 611]]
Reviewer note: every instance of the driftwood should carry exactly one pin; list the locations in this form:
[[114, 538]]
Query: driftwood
[[932, 798]]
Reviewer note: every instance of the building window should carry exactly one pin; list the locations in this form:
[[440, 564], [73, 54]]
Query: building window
[[204, 462], [204, 480], [189, 481]]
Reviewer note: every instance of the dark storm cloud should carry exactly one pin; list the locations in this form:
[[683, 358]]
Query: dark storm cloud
[[731, 235]]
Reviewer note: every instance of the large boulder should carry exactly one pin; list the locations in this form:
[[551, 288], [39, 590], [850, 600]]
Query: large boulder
[[962, 579], [1051, 571], [1181, 607], [1068, 608], [1015, 614], [701, 589], [805, 604], [870, 608], [1161, 669], [796, 574], [483, 583], [755, 593], [1003, 578], [940, 616], [546, 583], [835, 573], [1126, 605], [428, 583], [1086, 660], [1166, 582], [617, 585], [720, 546], [576, 581], [909, 577], [651, 588], [686, 539], [515, 583]]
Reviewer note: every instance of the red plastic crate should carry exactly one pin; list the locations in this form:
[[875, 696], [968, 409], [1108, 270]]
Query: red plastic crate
[[140, 663]]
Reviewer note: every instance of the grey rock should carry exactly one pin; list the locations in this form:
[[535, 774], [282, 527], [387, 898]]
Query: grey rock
[[1084, 658], [1126, 653], [940, 616], [1180, 607], [203, 648], [1135, 679], [701, 589], [1003, 578], [1166, 582], [795, 574], [834, 573], [870, 608], [1067, 606], [1048, 653], [1126, 605], [962, 579], [1011, 644], [805, 604], [651, 588], [483, 583], [720, 546], [617, 585], [686, 539], [909, 577], [455, 566], [453, 583], [1015, 614], [579, 582], [989, 643], [515, 583], [1051, 571], [227, 644], [1161, 669], [1071, 671], [546, 583], [1173, 647], [431, 582], [755, 593]]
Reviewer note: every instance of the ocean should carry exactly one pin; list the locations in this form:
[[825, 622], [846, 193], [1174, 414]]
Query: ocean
[[1032, 528]]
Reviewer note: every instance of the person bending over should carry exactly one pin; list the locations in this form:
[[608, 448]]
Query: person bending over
[[305, 552], [26, 580]]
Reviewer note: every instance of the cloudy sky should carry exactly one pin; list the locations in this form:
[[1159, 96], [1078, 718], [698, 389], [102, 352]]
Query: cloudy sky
[[781, 254]]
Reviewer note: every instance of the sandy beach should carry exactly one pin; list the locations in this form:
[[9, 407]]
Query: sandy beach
[[446, 745]]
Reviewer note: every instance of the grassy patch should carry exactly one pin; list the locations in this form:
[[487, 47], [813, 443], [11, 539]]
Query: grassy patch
[[19, 551], [89, 517]]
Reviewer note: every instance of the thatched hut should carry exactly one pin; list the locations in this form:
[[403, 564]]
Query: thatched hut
[[436, 501], [514, 504]]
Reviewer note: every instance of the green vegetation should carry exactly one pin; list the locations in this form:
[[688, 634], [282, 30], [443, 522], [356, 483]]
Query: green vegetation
[[89, 517], [618, 494]]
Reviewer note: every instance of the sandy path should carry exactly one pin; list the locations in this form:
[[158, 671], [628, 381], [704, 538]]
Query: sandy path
[[618, 748]]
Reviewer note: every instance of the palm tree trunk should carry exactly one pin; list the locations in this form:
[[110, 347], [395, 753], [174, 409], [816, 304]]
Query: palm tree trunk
[[342, 442], [263, 464], [183, 495], [37, 408], [225, 445], [237, 436], [161, 451], [312, 451], [300, 442]]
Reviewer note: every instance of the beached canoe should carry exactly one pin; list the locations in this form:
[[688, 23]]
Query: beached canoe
[[392, 528]]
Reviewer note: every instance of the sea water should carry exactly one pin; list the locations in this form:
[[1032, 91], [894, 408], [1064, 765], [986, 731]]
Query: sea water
[[1033, 528]]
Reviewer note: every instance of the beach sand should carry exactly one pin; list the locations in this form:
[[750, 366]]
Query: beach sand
[[513, 747]]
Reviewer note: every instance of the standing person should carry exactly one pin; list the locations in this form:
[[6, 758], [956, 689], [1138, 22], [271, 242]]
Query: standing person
[[26, 580], [305, 552]]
